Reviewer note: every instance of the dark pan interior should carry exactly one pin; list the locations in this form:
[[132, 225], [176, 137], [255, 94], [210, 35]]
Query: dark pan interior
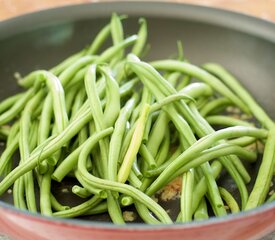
[[248, 54]]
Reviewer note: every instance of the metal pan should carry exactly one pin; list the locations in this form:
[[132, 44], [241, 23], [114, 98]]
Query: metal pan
[[243, 44]]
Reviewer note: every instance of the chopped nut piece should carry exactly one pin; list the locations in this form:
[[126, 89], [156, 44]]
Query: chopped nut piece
[[129, 216], [172, 190]]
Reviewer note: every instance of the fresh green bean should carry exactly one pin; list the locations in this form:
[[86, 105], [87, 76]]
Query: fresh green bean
[[164, 149], [120, 187], [19, 194], [81, 192], [243, 94], [138, 47], [264, 177], [67, 62], [10, 101], [6, 156], [145, 70], [135, 143], [70, 162], [79, 209], [202, 75], [116, 139], [45, 193], [202, 144], [134, 180], [117, 35], [226, 121], [112, 107], [56, 205], [147, 157], [99, 40], [187, 195], [7, 116], [215, 105], [230, 201], [201, 212]]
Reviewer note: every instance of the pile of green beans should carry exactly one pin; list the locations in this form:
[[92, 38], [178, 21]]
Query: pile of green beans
[[124, 128]]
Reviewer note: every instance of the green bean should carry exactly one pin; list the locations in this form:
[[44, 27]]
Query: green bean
[[100, 208], [116, 139], [230, 201], [79, 209], [11, 145], [242, 141], [196, 90], [147, 156], [185, 81], [117, 34], [201, 187], [136, 169], [58, 97], [170, 99], [200, 126], [145, 214], [104, 57], [70, 98], [81, 192], [226, 121], [187, 196], [203, 144], [114, 209], [45, 196], [201, 75], [69, 72], [173, 78], [19, 194], [156, 136], [54, 145], [93, 190], [76, 79], [138, 47], [160, 168], [120, 187], [134, 180], [201, 212], [243, 94], [144, 70], [67, 62], [126, 142], [135, 143], [97, 113], [70, 162], [233, 165], [215, 105], [7, 154], [10, 101], [264, 177], [227, 150], [112, 51], [45, 120], [164, 149], [33, 140], [112, 107], [99, 40], [7, 116], [25, 123], [56, 205]]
